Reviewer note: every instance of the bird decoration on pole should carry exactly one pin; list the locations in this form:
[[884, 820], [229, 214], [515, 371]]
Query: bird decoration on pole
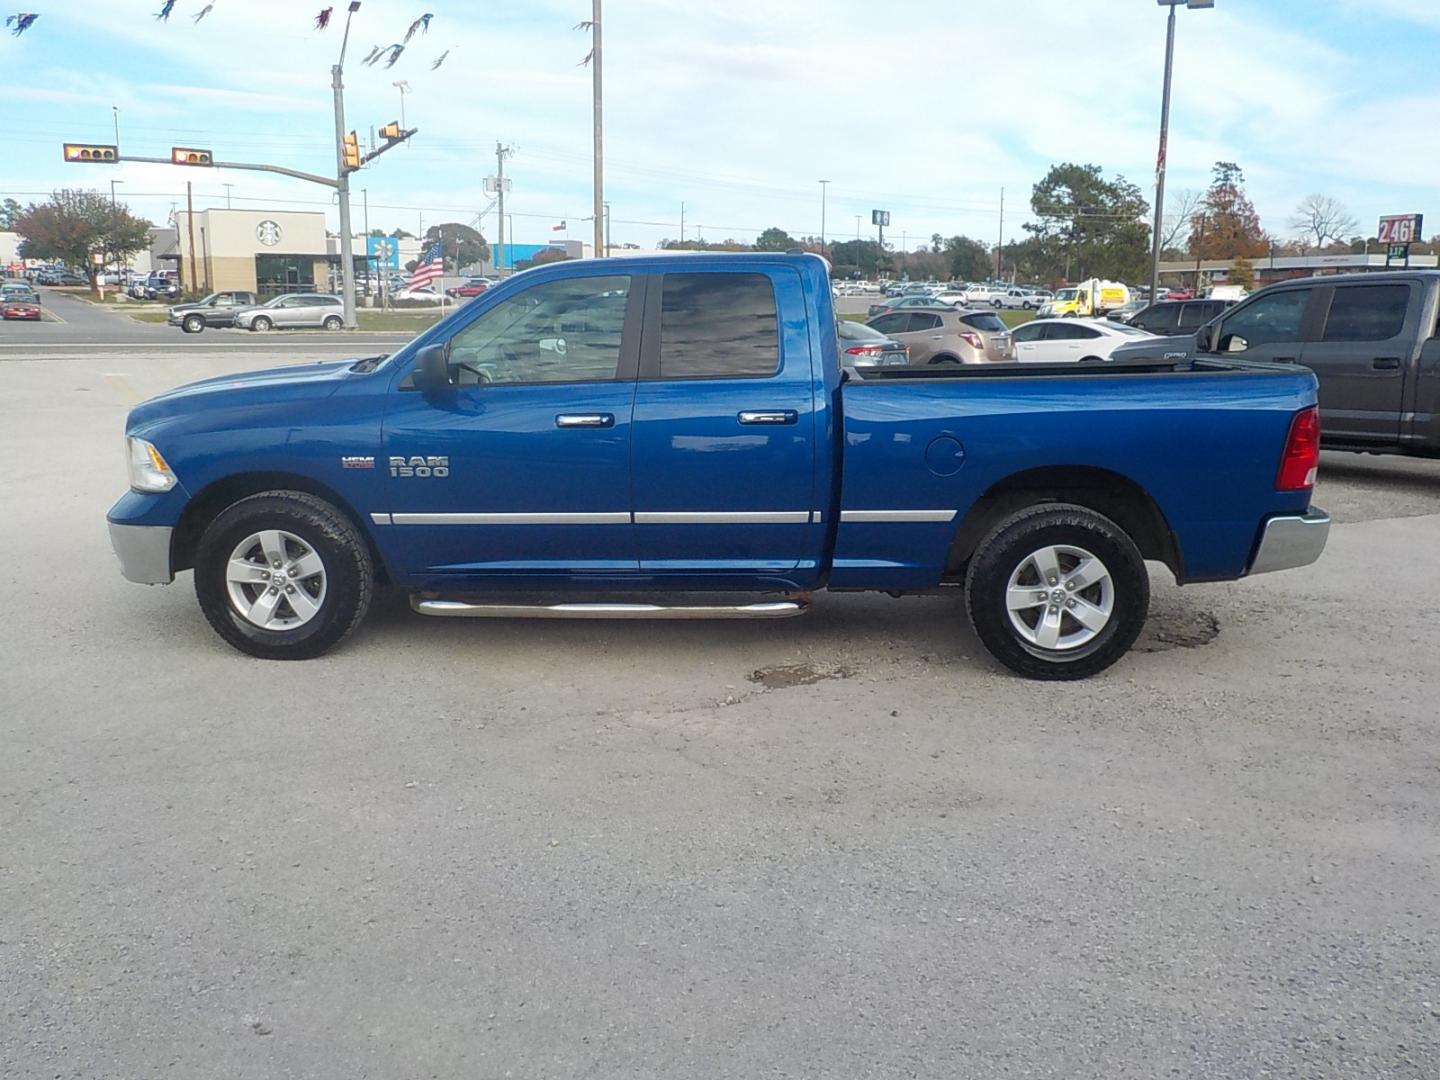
[[422, 24], [203, 12], [163, 15], [395, 51], [439, 60], [322, 20], [21, 22], [372, 55]]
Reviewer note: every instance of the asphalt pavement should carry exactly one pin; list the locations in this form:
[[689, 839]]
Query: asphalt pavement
[[847, 845]]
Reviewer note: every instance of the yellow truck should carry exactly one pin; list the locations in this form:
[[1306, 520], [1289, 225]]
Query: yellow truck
[[1086, 299]]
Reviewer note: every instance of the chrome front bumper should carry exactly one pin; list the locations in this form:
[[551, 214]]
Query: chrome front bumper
[[1291, 540], [143, 551]]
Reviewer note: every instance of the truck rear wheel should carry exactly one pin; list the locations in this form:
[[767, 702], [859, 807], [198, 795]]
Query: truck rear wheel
[[1057, 591], [283, 575]]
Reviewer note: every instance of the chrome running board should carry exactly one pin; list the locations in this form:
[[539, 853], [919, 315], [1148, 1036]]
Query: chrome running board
[[772, 609]]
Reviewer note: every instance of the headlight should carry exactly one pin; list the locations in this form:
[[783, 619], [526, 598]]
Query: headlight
[[149, 471]]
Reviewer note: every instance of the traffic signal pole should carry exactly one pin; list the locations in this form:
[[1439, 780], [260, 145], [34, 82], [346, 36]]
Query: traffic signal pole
[[342, 182]]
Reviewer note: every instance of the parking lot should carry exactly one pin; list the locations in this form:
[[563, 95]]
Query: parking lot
[[846, 845]]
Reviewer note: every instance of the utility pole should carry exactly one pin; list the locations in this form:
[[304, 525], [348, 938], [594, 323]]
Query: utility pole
[[599, 131], [369, 273], [115, 111], [500, 153], [342, 176], [824, 184], [112, 225], [607, 230], [227, 188], [1165, 135], [190, 228], [682, 223], [1000, 247]]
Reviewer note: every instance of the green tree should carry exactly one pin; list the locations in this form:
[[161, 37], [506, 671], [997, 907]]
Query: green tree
[[402, 234], [461, 245], [1242, 273], [862, 255], [541, 258], [1226, 225], [774, 239], [73, 226], [1088, 226], [9, 214], [968, 259]]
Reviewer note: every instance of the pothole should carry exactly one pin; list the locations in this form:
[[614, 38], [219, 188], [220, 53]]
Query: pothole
[[1178, 630], [782, 677]]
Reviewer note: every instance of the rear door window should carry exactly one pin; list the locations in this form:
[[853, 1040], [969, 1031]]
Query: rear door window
[[894, 323], [1367, 312], [1192, 316], [718, 325]]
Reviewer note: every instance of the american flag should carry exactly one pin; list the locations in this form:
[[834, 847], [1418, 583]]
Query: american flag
[[430, 267]]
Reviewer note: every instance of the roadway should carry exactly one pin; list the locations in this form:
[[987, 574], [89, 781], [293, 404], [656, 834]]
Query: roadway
[[74, 328]]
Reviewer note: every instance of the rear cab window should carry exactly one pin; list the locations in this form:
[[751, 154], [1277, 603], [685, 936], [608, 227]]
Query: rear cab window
[[718, 326], [1367, 312]]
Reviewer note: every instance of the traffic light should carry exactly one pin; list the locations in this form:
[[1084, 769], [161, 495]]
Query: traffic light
[[183, 155], [352, 150], [390, 131], [85, 152]]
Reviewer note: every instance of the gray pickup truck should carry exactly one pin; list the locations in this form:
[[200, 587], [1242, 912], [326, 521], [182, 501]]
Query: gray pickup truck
[[1371, 339]]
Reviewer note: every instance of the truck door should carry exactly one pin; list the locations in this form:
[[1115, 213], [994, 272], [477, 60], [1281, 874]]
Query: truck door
[[724, 438], [522, 471], [1366, 345]]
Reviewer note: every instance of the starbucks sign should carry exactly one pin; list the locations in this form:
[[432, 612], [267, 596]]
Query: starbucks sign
[[268, 232]]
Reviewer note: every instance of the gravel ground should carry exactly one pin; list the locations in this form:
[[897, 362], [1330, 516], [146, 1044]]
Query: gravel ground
[[842, 846]]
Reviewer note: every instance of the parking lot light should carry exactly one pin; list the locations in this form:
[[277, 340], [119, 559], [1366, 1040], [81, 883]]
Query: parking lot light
[[1165, 134]]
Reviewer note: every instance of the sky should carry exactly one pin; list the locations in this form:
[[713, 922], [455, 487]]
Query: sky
[[925, 108]]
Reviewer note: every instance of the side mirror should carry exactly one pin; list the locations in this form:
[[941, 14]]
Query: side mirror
[[432, 373], [1204, 339]]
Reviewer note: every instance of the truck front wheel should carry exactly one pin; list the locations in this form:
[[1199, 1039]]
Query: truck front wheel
[[283, 575], [1057, 591]]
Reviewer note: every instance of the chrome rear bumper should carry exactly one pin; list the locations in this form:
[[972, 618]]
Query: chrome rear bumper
[[1291, 540]]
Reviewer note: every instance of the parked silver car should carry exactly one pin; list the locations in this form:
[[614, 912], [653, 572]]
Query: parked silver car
[[294, 310]]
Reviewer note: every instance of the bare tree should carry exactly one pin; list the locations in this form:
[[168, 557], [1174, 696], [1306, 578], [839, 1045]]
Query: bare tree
[[1181, 207], [1319, 218]]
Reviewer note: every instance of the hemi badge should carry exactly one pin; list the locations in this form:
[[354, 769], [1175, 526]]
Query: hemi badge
[[358, 462]]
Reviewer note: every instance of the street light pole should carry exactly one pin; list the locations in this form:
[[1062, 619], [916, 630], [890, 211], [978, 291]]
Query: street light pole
[[599, 209], [112, 225], [1165, 135], [824, 184], [342, 176]]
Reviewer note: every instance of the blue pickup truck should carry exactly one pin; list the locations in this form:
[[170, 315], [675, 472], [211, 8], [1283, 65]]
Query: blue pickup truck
[[681, 437]]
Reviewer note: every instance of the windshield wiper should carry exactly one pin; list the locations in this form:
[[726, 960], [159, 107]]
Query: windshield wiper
[[369, 363]]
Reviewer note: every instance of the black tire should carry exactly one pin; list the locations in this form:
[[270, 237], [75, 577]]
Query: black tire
[[1006, 551], [1090, 360], [945, 360], [193, 324], [261, 323], [349, 573], [333, 322]]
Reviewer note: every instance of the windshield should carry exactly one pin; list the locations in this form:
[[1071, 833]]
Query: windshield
[[1067, 294]]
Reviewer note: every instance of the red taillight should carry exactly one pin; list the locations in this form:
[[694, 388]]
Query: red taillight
[[1302, 452], [975, 340], [865, 350]]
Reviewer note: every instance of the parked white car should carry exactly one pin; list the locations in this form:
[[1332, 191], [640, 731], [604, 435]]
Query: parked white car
[[1016, 298], [954, 297], [425, 293], [1061, 341], [982, 295]]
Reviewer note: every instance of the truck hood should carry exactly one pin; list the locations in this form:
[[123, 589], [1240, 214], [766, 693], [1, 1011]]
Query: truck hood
[[244, 390]]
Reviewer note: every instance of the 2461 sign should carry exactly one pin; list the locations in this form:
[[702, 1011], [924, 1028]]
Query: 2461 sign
[[1401, 228]]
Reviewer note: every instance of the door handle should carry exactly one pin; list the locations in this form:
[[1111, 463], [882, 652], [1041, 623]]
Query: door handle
[[1283, 359], [593, 419], [1386, 363], [769, 416]]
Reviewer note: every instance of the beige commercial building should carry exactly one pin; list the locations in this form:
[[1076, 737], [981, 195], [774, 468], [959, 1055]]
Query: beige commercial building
[[266, 251]]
